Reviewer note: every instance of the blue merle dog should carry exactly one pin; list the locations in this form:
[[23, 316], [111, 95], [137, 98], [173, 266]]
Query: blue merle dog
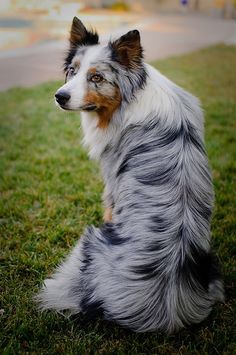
[[149, 267]]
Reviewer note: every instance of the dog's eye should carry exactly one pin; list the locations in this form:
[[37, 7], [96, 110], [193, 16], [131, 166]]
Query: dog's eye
[[96, 78], [71, 71]]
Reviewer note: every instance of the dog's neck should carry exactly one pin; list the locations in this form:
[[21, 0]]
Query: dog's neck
[[159, 99]]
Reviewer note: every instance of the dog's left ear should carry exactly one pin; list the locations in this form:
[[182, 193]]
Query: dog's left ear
[[79, 35], [127, 50]]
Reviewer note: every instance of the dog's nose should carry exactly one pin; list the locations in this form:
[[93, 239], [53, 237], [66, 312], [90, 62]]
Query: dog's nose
[[62, 97]]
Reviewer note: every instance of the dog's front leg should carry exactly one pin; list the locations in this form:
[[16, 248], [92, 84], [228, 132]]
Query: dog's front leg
[[107, 216], [109, 204]]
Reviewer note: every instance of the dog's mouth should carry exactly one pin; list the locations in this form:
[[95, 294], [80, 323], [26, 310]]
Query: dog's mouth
[[88, 108]]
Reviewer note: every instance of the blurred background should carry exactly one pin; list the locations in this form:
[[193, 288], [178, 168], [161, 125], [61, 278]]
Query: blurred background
[[33, 34], [50, 191]]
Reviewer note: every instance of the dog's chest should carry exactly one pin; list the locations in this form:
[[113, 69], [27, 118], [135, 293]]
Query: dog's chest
[[95, 139]]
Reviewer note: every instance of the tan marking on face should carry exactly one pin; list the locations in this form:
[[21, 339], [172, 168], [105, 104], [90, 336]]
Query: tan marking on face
[[92, 70], [106, 106]]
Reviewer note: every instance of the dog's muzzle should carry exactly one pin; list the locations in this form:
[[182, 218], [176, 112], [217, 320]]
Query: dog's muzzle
[[62, 97]]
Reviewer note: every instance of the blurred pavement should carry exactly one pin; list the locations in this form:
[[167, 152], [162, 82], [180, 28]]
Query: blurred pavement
[[162, 36]]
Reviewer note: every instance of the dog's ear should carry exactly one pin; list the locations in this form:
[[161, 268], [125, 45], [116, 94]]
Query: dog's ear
[[127, 50], [80, 36]]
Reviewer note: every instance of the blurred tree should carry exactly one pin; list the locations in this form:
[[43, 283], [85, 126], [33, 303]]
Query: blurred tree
[[229, 10], [196, 5]]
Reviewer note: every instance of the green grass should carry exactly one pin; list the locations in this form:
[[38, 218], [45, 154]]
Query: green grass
[[50, 191]]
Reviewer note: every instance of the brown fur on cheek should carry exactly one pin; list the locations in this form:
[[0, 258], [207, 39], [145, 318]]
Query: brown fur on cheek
[[106, 106]]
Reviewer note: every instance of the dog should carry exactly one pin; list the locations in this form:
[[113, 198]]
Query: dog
[[150, 266]]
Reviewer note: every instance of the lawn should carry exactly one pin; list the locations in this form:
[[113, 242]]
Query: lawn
[[50, 191]]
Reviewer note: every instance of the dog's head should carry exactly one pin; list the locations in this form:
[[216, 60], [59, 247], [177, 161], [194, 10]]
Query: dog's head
[[100, 77]]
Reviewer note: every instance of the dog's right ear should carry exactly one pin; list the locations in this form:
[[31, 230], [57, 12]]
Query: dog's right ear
[[80, 36]]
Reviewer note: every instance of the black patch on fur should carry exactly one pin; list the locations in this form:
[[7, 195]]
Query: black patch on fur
[[68, 59], [91, 309], [165, 139], [165, 172], [114, 70], [159, 225], [199, 267], [139, 150], [155, 247], [148, 270], [110, 235], [160, 176], [86, 250], [123, 167], [152, 269], [90, 39], [85, 263], [119, 211], [191, 136]]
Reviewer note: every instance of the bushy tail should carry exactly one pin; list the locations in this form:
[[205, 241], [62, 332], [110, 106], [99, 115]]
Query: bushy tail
[[102, 275], [58, 292]]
